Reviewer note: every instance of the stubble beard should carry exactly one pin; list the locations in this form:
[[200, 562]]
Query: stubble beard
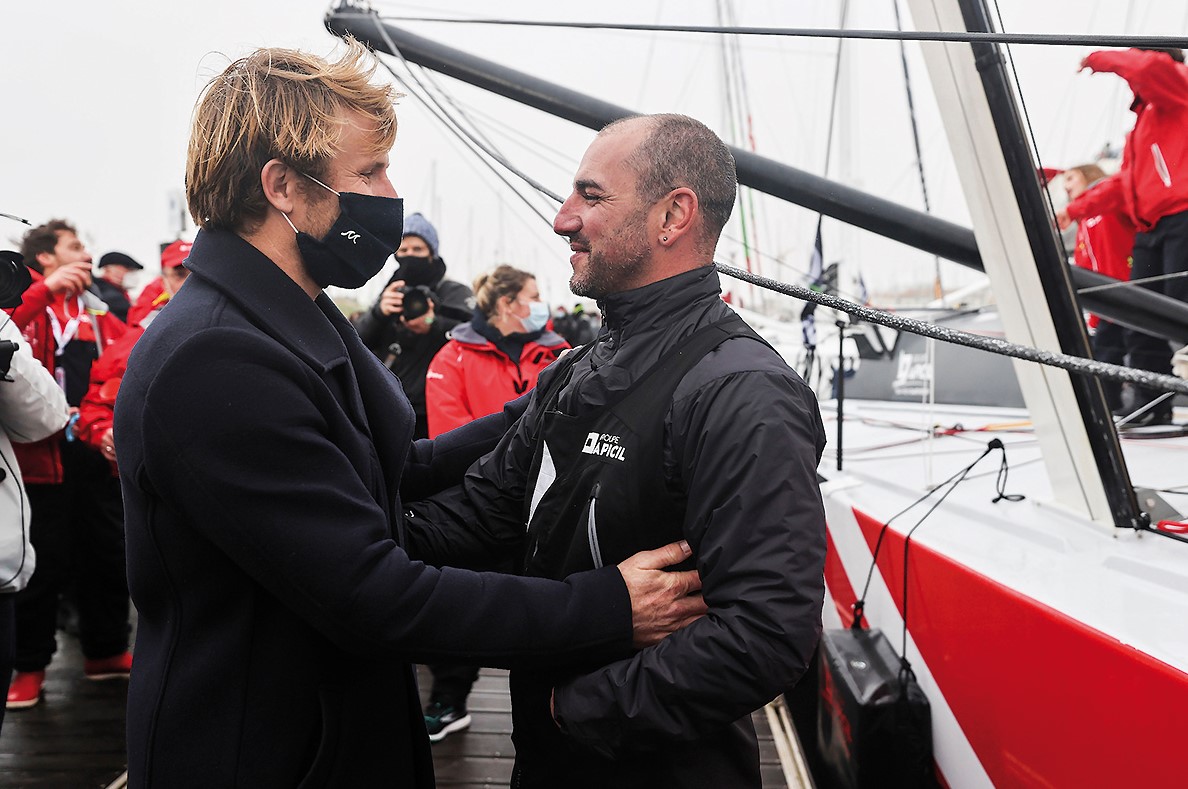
[[615, 267]]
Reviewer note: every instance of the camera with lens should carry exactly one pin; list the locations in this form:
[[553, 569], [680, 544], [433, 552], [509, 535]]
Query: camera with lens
[[15, 279], [416, 301]]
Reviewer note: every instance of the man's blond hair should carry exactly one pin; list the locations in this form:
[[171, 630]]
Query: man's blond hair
[[276, 104]]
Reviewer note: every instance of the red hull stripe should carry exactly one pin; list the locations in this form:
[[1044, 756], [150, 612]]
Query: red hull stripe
[[1043, 699], [839, 583]]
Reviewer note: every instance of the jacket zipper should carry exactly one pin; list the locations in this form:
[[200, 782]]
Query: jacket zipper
[[592, 528]]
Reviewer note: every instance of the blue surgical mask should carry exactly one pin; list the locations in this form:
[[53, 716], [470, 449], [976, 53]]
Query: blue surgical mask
[[366, 233], [538, 316]]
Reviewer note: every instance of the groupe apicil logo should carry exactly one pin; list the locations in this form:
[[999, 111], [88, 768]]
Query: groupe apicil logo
[[604, 445]]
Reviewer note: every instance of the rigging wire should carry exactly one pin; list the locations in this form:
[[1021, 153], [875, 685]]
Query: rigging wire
[[732, 113], [899, 322], [458, 128], [739, 103], [1047, 194], [1073, 364], [911, 103], [993, 345], [1044, 39], [533, 145], [808, 315]]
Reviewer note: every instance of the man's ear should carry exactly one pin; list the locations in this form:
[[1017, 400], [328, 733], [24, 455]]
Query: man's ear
[[42, 257], [680, 210], [279, 181]]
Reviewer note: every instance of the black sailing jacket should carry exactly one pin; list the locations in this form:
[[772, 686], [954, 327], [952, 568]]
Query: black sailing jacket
[[742, 438]]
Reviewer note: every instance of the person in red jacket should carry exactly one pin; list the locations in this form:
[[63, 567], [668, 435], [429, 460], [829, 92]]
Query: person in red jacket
[[1151, 189], [155, 294], [97, 412], [495, 357], [77, 527], [1103, 244], [487, 362]]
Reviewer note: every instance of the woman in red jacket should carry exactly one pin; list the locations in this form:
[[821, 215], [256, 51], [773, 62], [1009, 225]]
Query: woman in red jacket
[[1151, 188], [1103, 244], [494, 358]]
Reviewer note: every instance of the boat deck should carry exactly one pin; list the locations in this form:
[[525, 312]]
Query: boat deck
[[75, 737]]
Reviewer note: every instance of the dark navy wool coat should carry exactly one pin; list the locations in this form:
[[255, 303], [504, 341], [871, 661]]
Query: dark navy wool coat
[[262, 449]]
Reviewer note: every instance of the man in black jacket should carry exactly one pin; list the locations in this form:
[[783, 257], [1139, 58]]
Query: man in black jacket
[[406, 340], [264, 454], [676, 421]]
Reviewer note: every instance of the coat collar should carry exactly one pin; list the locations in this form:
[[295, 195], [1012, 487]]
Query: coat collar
[[660, 303], [269, 297]]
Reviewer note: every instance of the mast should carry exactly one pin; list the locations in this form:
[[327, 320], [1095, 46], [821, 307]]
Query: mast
[[1026, 265], [1134, 308]]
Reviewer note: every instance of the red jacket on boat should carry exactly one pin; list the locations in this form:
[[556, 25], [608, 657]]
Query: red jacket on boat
[[1153, 180], [469, 377], [1104, 243], [41, 462]]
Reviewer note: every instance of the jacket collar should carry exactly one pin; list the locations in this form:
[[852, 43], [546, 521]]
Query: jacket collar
[[269, 297], [660, 303]]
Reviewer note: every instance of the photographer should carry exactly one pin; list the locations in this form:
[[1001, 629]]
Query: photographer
[[32, 407], [408, 324]]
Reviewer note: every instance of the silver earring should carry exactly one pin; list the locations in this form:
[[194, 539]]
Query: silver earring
[[664, 238]]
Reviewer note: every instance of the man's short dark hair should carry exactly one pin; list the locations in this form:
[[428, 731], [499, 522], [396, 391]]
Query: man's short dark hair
[[43, 238], [682, 151]]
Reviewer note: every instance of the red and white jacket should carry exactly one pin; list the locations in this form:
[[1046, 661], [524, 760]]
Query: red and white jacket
[[1104, 243], [469, 377], [41, 462], [1153, 180]]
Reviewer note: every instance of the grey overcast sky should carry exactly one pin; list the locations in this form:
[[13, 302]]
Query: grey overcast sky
[[98, 97]]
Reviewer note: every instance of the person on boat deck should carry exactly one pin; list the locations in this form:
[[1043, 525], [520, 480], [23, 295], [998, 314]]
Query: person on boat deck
[[265, 454], [77, 527], [1103, 244], [97, 412], [491, 360], [1151, 189], [407, 345], [114, 268], [676, 421]]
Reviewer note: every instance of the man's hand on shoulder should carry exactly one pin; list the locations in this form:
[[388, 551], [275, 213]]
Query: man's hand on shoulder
[[661, 602]]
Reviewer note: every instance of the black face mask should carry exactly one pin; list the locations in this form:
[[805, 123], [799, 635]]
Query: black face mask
[[368, 230], [415, 270]]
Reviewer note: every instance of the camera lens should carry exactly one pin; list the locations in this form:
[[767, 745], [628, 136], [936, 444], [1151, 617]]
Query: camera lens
[[416, 302]]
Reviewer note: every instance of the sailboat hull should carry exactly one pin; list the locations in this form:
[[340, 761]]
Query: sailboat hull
[[1051, 647]]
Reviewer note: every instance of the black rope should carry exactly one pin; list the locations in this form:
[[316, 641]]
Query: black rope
[[1003, 471], [1073, 364], [1048, 39], [860, 603]]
